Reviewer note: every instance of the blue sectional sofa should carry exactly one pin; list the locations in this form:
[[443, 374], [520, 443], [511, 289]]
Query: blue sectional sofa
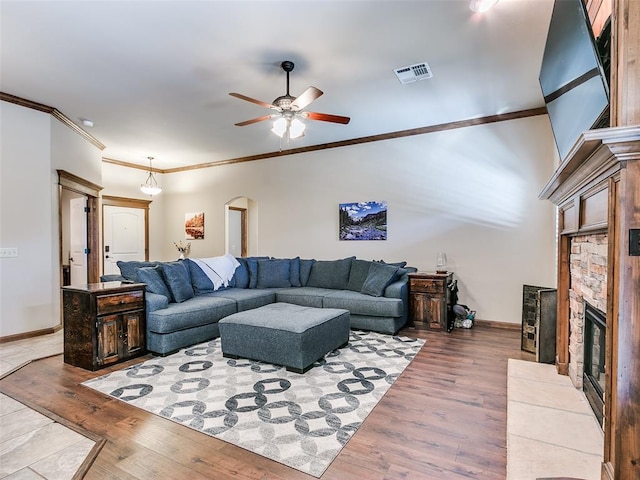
[[184, 306]]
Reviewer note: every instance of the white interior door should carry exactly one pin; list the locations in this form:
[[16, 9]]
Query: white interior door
[[124, 237], [78, 240], [235, 232]]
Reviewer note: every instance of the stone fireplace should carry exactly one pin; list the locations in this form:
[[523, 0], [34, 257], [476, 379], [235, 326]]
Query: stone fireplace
[[588, 283]]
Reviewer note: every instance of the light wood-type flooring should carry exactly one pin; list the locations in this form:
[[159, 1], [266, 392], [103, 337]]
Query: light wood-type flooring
[[444, 418]]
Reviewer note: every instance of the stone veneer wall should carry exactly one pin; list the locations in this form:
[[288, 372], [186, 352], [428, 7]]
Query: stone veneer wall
[[588, 267]]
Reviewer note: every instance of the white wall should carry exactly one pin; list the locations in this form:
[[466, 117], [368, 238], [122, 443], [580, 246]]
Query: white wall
[[470, 192], [33, 145]]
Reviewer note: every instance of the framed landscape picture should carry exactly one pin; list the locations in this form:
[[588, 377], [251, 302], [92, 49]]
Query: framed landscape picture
[[363, 221], [194, 226]]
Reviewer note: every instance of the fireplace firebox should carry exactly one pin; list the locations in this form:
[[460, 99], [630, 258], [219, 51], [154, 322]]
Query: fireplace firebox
[[594, 358]]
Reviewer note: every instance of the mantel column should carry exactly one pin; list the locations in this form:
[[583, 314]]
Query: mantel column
[[625, 63], [622, 424]]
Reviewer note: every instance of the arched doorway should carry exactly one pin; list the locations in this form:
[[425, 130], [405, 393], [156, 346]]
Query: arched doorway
[[241, 227]]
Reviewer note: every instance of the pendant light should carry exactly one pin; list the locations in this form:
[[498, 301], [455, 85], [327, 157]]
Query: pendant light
[[150, 187]]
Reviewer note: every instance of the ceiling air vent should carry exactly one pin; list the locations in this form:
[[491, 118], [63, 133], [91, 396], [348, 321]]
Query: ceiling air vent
[[410, 74]]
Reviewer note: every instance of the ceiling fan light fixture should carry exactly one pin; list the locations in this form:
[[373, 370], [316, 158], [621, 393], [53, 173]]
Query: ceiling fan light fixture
[[280, 126], [150, 187], [481, 6], [288, 125], [296, 129]]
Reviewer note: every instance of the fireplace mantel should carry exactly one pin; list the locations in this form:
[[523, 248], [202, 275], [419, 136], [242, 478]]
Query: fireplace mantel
[[595, 157], [597, 189]]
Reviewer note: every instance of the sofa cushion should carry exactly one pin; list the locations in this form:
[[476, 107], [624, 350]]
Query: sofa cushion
[[305, 296], [219, 270], [295, 272], [202, 310], [241, 275], [380, 275], [330, 273], [111, 277], [245, 298], [252, 266], [358, 274], [129, 269], [200, 282], [305, 271], [395, 264], [362, 304], [152, 276], [176, 275], [274, 273]]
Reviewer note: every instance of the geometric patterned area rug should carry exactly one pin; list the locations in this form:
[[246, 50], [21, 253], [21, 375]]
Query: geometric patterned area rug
[[300, 420]]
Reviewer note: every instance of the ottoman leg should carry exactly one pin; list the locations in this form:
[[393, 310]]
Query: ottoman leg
[[299, 370], [228, 355]]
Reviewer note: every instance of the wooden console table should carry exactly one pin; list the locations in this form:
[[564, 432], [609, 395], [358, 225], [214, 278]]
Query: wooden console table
[[428, 299], [104, 323]]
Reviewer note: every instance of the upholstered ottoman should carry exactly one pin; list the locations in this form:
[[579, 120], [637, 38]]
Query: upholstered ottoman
[[284, 334]]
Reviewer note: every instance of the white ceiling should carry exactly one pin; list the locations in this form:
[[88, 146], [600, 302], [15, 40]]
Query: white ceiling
[[154, 76]]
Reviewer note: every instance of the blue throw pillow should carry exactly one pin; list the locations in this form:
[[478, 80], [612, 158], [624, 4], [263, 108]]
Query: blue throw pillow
[[241, 275], [274, 273], [330, 274], [395, 264], [200, 282], [379, 277], [358, 274], [176, 276], [129, 269], [153, 278], [252, 266], [294, 276], [305, 271]]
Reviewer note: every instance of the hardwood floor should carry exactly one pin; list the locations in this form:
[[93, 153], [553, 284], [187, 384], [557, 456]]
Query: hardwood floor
[[444, 418]]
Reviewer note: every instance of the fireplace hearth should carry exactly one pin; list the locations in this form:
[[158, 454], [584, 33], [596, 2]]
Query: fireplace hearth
[[594, 358]]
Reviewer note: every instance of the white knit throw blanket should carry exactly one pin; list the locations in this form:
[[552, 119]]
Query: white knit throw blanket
[[219, 269]]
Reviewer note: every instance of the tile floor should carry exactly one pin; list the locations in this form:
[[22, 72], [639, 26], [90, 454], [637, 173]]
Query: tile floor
[[551, 430], [33, 446]]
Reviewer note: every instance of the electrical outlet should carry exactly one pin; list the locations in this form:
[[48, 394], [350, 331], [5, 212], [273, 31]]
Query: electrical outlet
[[634, 242], [8, 252]]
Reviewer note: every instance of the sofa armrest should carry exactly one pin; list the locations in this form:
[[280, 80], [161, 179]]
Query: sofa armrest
[[114, 278], [155, 302], [397, 289]]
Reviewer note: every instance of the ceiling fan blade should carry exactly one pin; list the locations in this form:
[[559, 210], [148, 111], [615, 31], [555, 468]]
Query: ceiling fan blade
[[253, 100], [325, 117], [305, 98], [254, 120]]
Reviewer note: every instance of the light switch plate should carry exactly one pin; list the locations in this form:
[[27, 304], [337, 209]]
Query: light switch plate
[[8, 252]]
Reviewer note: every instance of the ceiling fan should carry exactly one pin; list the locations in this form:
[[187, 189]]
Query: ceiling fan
[[290, 109]]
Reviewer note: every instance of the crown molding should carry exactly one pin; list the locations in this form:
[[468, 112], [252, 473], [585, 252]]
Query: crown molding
[[532, 112], [55, 113], [122, 163]]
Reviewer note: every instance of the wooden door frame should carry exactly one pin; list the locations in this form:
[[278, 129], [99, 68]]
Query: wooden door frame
[[243, 229], [91, 191], [109, 201]]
